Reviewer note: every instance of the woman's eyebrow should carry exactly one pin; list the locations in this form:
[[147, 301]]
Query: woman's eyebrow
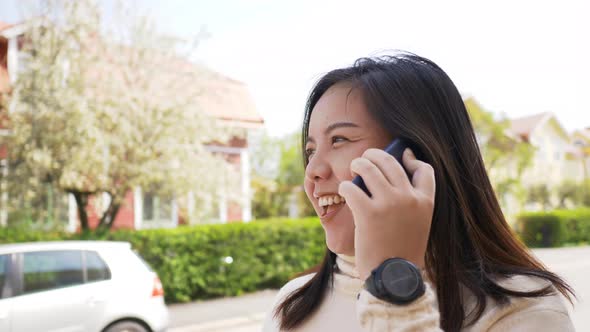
[[334, 126], [340, 125]]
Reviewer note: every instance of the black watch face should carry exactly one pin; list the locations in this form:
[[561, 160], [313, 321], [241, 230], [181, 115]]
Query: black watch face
[[400, 280]]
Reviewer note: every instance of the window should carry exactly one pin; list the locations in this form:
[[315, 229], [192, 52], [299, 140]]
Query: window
[[156, 209], [150, 204], [46, 270], [49, 205], [96, 269], [3, 273]]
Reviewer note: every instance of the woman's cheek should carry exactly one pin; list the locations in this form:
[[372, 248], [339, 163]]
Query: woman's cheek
[[342, 170]]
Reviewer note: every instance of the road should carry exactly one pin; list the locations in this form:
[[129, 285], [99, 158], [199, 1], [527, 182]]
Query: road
[[246, 313]]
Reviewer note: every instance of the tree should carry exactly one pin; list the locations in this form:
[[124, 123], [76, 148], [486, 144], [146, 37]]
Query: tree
[[265, 153], [585, 193], [91, 115], [265, 203], [506, 157], [291, 175], [540, 194], [569, 190], [278, 177]]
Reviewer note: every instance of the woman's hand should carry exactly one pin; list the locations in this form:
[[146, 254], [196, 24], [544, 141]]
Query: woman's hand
[[395, 221]]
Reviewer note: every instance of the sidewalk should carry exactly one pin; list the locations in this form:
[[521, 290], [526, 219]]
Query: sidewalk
[[240, 314], [247, 313]]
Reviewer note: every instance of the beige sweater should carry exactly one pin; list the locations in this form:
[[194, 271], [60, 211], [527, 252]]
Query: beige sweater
[[341, 310]]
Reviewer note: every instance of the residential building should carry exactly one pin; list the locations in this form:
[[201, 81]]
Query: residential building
[[582, 141], [558, 155], [228, 100], [556, 159]]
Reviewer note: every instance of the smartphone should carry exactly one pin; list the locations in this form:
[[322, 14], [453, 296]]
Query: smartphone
[[396, 148]]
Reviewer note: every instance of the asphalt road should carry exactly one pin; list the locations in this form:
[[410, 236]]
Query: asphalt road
[[246, 313]]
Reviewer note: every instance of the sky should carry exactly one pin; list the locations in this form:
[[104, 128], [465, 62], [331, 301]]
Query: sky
[[516, 58]]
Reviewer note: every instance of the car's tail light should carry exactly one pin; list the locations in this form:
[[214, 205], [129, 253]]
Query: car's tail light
[[158, 289]]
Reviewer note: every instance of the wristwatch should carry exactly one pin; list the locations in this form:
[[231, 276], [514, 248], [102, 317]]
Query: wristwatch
[[396, 281]]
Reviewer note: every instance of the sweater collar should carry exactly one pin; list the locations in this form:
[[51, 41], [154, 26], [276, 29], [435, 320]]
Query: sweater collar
[[347, 266], [346, 277]]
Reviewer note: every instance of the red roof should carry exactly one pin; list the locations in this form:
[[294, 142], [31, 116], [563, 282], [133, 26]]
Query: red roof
[[4, 25], [220, 96], [227, 99]]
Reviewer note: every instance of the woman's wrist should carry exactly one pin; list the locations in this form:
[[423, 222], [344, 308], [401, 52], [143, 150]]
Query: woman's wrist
[[376, 262]]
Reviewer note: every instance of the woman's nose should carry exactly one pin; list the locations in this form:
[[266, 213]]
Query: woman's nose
[[317, 169]]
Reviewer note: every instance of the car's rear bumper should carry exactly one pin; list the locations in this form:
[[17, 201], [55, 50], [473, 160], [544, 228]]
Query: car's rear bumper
[[159, 317]]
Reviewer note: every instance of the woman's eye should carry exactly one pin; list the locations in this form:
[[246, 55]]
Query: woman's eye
[[338, 139], [309, 152]]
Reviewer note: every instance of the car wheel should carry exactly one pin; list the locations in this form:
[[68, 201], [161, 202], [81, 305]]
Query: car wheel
[[126, 326]]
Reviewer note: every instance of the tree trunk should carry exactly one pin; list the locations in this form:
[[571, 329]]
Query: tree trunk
[[81, 204], [108, 217]]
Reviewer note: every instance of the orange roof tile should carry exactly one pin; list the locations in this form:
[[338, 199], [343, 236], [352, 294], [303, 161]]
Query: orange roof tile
[[227, 99], [219, 96], [4, 25]]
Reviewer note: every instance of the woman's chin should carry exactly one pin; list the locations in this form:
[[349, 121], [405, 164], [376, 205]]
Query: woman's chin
[[339, 245], [339, 231]]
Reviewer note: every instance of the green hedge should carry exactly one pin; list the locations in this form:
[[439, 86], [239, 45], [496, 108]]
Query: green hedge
[[555, 228], [190, 260]]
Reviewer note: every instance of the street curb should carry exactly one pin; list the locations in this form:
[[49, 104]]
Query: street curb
[[221, 325]]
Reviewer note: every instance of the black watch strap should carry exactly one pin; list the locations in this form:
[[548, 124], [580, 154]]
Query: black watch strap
[[370, 285]]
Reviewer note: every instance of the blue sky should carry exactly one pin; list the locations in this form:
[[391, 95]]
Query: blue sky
[[515, 57]]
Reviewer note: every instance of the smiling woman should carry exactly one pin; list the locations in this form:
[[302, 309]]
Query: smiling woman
[[340, 129], [426, 252]]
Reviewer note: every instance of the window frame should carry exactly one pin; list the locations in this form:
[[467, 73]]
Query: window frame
[[11, 277]]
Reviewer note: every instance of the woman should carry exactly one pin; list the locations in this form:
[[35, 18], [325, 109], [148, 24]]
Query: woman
[[456, 264]]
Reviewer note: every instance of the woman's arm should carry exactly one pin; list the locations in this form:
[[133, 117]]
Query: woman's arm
[[540, 320], [548, 313]]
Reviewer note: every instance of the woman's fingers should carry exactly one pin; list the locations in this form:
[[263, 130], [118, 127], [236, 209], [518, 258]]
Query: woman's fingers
[[374, 179], [422, 174], [389, 166], [356, 199]]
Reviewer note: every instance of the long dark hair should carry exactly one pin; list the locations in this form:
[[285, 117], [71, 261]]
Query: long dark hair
[[470, 242]]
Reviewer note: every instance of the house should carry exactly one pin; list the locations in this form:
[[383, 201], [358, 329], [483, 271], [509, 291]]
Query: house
[[226, 99], [582, 141], [559, 156], [556, 159]]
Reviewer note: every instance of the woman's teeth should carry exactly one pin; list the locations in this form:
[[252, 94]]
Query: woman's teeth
[[329, 200]]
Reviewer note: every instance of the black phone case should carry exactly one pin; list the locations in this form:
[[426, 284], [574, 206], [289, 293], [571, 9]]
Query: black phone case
[[396, 148]]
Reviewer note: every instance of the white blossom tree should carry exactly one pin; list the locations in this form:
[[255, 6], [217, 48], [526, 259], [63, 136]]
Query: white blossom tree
[[104, 109]]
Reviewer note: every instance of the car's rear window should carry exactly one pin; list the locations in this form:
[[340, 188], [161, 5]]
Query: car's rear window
[[96, 268]]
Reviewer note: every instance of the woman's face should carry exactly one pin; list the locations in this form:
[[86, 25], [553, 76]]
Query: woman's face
[[340, 129]]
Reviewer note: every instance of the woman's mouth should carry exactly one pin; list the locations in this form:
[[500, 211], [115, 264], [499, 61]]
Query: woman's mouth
[[331, 210], [330, 205]]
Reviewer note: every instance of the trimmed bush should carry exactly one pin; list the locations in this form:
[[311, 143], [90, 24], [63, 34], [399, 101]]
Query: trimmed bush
[[555, 228], [28, 233], [193, 262]]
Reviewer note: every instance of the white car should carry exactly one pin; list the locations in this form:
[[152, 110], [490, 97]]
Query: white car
[[86, 286]]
